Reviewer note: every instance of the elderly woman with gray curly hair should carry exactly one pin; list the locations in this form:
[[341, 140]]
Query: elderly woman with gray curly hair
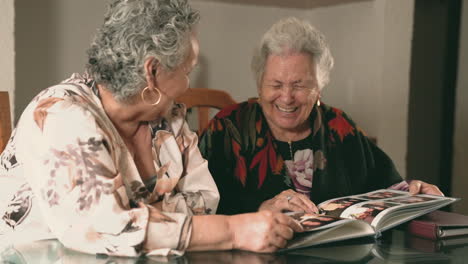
[[104, 161], [287, 151]]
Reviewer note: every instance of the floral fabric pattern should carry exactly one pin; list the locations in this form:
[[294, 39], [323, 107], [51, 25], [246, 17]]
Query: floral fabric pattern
[[301, 170], [67, 174], [19, 207]]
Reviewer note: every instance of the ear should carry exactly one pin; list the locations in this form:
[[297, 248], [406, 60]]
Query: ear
[[259, 89], [150, 67]]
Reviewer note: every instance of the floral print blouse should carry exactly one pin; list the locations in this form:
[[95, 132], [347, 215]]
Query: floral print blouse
[[67, 174], [250, 166]]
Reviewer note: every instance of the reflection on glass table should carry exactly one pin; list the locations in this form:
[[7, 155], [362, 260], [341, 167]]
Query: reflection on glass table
[[394, 246]]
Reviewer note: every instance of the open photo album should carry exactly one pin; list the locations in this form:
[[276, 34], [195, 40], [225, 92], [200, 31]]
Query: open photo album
[[362, 215]]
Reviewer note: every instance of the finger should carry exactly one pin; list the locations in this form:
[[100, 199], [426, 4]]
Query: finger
[[293, 207], [288, 192], [431, 189], [269, 249], [284, 231], [304, 202], [276, 204], [284, 203], [285, 193], [415, 187], [285, 220], [277, 240], [300, 200]]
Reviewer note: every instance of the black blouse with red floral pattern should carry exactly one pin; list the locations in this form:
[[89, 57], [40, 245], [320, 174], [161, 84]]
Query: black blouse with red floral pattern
[[250, 166]]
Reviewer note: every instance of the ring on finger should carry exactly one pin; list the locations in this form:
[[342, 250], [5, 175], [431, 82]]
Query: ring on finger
[[289, 197]]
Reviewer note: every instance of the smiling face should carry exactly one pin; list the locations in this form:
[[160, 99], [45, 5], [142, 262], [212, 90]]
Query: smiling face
[[288, 92]]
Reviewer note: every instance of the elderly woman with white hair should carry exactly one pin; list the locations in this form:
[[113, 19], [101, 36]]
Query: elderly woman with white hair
[[105, 163], [287, 151]]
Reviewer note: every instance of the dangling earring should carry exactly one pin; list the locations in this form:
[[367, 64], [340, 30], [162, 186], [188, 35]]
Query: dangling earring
[[143, 95], [318, 102]]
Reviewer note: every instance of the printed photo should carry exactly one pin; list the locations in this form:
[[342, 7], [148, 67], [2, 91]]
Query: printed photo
[[314, 221], [367, 212], [380, 195], [336, 207], [413, 199]]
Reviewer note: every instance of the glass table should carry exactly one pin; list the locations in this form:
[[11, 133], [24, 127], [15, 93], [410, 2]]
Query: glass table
[[394, 246]]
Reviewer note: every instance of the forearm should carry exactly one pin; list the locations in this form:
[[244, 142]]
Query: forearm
[[259, 232], [211, 232]]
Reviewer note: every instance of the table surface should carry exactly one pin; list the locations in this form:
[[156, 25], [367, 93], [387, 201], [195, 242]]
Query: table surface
[[395, 246]]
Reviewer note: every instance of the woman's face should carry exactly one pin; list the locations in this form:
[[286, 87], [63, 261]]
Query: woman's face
[[288, 91], [174, 83]]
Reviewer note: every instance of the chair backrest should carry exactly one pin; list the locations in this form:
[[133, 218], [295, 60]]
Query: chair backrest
[[204, 99], [5, 120]]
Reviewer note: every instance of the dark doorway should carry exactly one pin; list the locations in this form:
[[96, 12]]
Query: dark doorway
[[432, 91]]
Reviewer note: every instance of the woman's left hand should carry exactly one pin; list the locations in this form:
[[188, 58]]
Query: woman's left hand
[[416, 187], [289, 200]]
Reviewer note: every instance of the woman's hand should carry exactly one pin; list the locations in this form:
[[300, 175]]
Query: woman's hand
[[416, 187], [289, 200], [264, 231]]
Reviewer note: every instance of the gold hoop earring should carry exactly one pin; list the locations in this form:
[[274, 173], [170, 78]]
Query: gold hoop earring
[[143, 96]]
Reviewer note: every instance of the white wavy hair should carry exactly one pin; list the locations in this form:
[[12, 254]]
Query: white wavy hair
[[294, 35], [134, 30]]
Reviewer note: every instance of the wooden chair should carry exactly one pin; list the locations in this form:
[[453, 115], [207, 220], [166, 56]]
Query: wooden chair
[[204, 99], [5, 120]]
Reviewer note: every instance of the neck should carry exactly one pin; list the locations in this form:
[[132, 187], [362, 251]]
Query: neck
[[126, 117], [290, 135]]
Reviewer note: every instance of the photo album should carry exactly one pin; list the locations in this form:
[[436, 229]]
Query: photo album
[[362, 215]]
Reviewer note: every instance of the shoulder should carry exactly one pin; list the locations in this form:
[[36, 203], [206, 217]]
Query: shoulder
[[234, 110], [63, 111], [72, 93], [338, 123], [234, 118], [331, 113]]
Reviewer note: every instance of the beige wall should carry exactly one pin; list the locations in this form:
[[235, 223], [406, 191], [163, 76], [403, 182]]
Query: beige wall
[[369, 39], [7, 51], [460, 145], [395, 81], [51, 39]]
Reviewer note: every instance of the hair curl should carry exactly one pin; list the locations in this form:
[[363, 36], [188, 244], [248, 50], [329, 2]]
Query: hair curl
[[134, 30], [294, 35]]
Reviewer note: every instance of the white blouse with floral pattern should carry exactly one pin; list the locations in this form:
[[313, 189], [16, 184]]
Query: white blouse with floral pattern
[[67, 174]]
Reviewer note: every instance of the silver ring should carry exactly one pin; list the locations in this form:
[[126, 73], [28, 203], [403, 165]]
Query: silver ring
[[289, 197]]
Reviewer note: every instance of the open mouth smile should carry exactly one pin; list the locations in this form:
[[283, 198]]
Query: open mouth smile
[[286, 109]]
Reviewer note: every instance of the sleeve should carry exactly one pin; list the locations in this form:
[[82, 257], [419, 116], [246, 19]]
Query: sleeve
[[81, 193], [383, 173], [196, 190], [369, 168], [371, 162], [216, 146]]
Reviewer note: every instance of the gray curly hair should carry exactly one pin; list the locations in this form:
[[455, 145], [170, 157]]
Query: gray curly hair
[[294, 35], [134, 30]]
